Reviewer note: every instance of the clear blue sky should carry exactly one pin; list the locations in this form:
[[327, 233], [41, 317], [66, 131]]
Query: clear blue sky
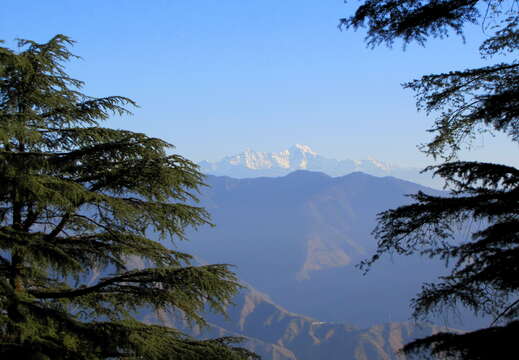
[[216, 77]]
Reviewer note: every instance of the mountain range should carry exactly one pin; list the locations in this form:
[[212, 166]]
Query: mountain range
[[296, 241], [301, 157], [298, 238], [277, 334]]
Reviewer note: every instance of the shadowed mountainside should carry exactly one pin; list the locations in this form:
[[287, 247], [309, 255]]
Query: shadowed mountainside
[[298, 238]]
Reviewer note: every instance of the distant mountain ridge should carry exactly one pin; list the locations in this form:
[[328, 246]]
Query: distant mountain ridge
[[277, 334], [301, 157]]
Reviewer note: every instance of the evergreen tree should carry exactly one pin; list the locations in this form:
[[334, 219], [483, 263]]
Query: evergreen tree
[[484, 197], [77, 200]]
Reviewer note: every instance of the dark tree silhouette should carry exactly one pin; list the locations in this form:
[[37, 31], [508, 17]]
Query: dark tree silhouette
[[485, 274]]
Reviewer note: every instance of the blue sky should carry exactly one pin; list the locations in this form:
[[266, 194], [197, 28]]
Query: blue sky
[[216, 77]]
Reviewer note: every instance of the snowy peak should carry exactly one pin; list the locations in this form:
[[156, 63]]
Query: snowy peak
[[251, 163], [295, 158], [250, 159], [303, 149]]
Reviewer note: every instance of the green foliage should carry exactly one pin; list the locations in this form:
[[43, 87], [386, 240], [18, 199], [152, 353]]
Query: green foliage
[[77, 200], [484, 199]]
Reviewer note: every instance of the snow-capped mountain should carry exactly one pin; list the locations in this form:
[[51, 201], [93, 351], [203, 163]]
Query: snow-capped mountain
[[301, 157]]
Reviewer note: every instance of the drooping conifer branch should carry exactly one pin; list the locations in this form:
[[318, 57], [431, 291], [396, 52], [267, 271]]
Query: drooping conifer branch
[[484, 200], [77, 200]]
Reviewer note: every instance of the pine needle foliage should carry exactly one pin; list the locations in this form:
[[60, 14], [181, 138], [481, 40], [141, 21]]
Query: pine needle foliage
[[484, 199], [77, 200]]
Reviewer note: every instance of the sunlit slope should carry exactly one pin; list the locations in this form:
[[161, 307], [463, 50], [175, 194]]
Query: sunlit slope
[[277, 334]]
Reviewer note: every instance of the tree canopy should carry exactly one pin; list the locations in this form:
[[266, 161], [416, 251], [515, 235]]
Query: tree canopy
[[77, 201], [484, 199]]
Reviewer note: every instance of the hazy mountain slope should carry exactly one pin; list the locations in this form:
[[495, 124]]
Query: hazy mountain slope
[[298, 237], [301, 157], [276, 334]]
